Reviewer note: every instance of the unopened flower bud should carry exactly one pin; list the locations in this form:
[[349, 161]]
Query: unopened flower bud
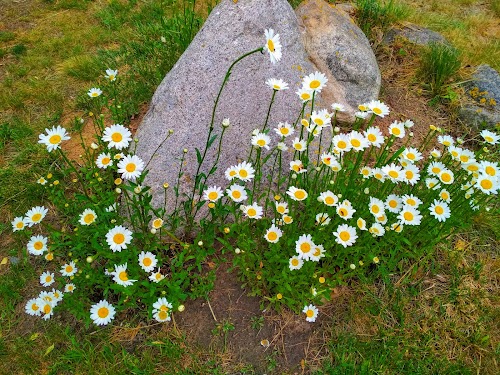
[[181, 308], [90, 259], [185, 150], [153, 230], [118, 190], [200, 243], [225, 122], [94, 146]]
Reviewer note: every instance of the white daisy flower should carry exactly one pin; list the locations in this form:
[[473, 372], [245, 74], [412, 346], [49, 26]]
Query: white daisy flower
[[489, 168], [284, 129], [117, 136], [411, 174], [412, 154], [490, 137], [314, 81], [378, 174], [378, 108], [318, 253], [157, 223], [69, 269], [297, 166], [361, 115], [213, 194], [245, 171], [102, 313], [358, 141], [120, 275], [231, 172], [35, 215], [297, 194], [147, 261], [304, 94], [94, 92], [156, 277], [328, 198], [321, 118], [273, 45], [33, 307], [409, 124], [295, 263], [19, 223], [409, 216], [69, 288], [37, 245], [253, 211], [345, 210], [104, 160], [361, 223], [377, 230], [52, 140], [394, 172], [393, 203], [445, 195], [327, 158], [304, 246], [47, 278], [131, 167], [287, 219], [42, 181], [411, 200], [112, 208], [337, 107], [435, 153], [376, 206], [335, 166], [345, 235], [299, 144], [466, 156], [111, 74], [374, 136], [455, 152], [273, 234], [277, 84], [366, 172], [397, 227], [341, 143], [323, 219], [311, 312], [237, 193], [487, 184], [87, 217], [446, 140], [435, 168], [47, 309], [118, 238], [446, 176], [440, 210], [397, 129]]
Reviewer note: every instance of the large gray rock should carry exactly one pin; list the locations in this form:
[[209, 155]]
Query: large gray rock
[[415, 34], [339, 49], [184, 100], [483, 94]]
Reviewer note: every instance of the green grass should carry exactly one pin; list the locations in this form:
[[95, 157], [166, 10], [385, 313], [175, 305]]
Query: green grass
[[373, 15]]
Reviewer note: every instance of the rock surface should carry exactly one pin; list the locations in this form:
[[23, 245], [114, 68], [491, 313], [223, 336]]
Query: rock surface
[[339, 49], [414, 33], [483, 91], [184, 100]]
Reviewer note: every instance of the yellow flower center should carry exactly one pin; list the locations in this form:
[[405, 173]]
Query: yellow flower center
[[305, 96], [355, 142], [281, 209], [344, 236], [464, 158], [251, 212], [317, 252], [47, 308], [284, 131], [116, 137], [394, 174], [396, 131], [38, 245], [372, 137], [321, 280], [447, 143], [341, 144], [343, 212], [213, 195], [375, 209], [89, 218], [105, 160], [490, 170], [295, 262], [287, 219], [393, 204], [298, 146], [236, 194], [272, 236], [55, 139], [318, 121], [119, 238], [20, 225], [439, 210], [408, 216], [486, 184], [36, 217], [243, 173], [310, 313], [436, 170], [130, 167], [411, 202], [410, 156], [300, 194], [305, 247], [270, 45], [123, 276], [409, 175], [162, 315], [315, 84], [276, 87], [232, 173], [158, 276], [48, 279], [488, 139], [69, 268], [147, 262], [446, 177], [377, 111], [34, 307], [103, 312]]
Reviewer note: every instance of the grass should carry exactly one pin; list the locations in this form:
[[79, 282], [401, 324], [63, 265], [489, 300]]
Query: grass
[[375, 16], [441, 317]]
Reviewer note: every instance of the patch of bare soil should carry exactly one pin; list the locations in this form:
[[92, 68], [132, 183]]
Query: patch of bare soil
[[293, 342]]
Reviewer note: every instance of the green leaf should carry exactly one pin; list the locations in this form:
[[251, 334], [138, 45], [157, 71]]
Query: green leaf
[[212, 139], [49, 349], [198, 155]]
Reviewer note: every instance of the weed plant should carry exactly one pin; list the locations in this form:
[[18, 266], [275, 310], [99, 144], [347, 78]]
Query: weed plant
[[439, 63], [377, 15], [308, 210]]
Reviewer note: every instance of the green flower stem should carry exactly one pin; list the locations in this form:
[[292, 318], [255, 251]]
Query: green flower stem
[[269, 110], [79, 176], [157, 148], [211, 129]]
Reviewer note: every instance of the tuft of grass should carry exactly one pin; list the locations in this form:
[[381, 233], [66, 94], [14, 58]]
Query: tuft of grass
[[495, 7], [374, 15], [439, 64]]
